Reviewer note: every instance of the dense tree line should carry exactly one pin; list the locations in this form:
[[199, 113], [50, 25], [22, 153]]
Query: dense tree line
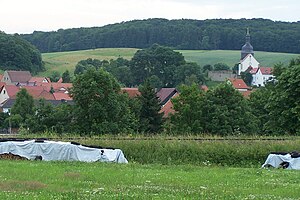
[[161, 66], [101, 108], [18, 54], [224, 34]]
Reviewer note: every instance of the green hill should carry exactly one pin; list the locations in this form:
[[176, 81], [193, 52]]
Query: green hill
[[210, 34], [67, 60]]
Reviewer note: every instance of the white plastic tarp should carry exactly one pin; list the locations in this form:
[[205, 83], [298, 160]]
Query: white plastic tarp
[[61, 151], [275, 160]]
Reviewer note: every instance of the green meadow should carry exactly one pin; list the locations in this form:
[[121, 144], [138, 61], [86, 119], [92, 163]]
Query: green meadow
[[61, 61], [181, 167], [74, 180]]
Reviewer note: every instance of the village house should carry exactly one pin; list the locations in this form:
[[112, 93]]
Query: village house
[[261, 75], [37, 87], [16, 78], [241, 86], [164, 94]]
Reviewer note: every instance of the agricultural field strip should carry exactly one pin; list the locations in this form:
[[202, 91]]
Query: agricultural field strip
[[60, 61]]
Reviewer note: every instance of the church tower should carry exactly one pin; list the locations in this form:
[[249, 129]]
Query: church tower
[[247, 48]]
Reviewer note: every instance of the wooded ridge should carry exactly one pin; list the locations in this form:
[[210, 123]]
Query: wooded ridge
[[222, 34]]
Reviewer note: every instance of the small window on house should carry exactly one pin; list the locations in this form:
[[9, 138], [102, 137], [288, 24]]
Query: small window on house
[[3, 91]]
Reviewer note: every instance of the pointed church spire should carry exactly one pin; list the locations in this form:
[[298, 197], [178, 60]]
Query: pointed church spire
[[247, 48], [248, 36]]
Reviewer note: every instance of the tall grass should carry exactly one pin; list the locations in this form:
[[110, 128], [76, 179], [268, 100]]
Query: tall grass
[[237, 153], [241, 151]]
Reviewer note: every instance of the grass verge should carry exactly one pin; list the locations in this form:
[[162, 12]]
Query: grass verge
[[74, 180]]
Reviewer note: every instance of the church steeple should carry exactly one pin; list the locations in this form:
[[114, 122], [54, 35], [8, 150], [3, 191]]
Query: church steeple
[[247, 48]]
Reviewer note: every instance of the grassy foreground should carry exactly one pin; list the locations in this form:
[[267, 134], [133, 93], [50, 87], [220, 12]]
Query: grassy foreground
[[74, 180]]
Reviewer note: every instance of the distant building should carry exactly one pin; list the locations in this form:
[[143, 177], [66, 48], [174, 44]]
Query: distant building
[[222, 75], [261, 75], [248, 64], [20, 78], [241, 86]]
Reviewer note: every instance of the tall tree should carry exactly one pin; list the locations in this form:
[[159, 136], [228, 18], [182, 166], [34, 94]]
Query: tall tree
[[54, 76], [100, 105], [150, 117], [23, 106], [188, 117], [258, 101], [43, 119], [226, 111], [284, 103], [185, 73], [156, 60], [3, 117], [66, 77]]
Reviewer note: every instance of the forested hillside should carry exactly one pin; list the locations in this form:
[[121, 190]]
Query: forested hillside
[[223, 34], [18, 54]]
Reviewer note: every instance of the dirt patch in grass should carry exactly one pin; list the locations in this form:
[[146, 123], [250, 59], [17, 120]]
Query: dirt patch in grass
[[72, 175], [21, 185]]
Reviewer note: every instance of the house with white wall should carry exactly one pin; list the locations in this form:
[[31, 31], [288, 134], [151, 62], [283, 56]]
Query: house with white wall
[[260, 75]]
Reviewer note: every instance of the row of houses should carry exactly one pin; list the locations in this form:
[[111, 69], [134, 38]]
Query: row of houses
[[38, 87], [57, 92]]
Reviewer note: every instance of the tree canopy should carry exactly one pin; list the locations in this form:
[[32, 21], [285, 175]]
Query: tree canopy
[[161, 66], [150, 117], [222, 110], [18, 54], [222, 34], [100, 105], [23, 108], [156, 60], [284, 102]]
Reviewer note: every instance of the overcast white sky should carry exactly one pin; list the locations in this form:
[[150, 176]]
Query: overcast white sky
[[26, 16]]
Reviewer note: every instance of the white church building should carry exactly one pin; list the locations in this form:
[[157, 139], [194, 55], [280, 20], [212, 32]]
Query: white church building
[[249, 64]]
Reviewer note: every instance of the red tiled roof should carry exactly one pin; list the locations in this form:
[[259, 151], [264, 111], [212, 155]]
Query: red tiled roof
[[60, 80], [39, 92], [132, 92], [11, 90], [204, 88], [253, 70], [167, 109], [2, 84], [39, 80], [61, 96], [164, 94], [238, 83], [57, 86], [266, 70], [1, 76], [19, 76], [246, 94]]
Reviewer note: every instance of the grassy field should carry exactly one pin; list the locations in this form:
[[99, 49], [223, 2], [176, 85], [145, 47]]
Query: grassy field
[[232, 57], [61, 61], [74, 180], [160, 167], [67, 60]]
